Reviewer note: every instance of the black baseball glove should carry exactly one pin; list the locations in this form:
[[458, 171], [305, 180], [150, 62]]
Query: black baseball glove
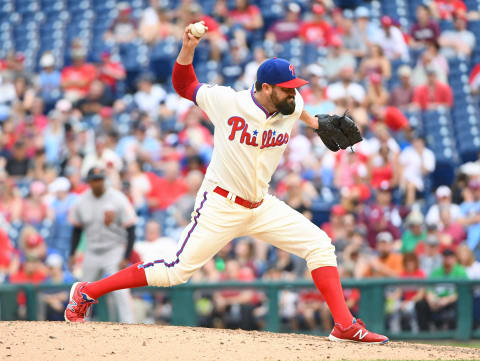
[[337, 131]]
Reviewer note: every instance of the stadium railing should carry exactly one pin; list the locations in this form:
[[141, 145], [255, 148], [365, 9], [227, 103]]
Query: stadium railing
[[371, 304]]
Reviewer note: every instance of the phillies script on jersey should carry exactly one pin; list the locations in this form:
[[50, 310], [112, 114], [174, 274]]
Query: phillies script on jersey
[[270, 138]]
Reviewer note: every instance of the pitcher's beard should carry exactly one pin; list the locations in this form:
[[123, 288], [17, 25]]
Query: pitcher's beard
[[284, 106]]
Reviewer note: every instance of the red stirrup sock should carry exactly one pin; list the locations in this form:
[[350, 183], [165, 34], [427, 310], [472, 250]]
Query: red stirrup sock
[[328, 283], [129, 277]]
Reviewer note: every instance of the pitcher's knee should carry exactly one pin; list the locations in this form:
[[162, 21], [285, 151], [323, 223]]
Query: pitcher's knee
[[321, 256], [159, 275]]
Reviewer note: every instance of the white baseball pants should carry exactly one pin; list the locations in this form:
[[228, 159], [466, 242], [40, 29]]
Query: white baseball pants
[[217, 220]]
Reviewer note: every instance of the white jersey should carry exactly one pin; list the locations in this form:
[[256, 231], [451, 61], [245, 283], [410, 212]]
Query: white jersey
[[248, 141]]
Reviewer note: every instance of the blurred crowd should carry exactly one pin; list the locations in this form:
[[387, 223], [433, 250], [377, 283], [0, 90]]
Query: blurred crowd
[[382, 205]]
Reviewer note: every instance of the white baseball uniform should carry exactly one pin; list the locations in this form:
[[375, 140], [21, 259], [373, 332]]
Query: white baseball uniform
[[248, 145]]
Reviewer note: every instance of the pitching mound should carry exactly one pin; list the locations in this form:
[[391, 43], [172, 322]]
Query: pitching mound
[[56, 341]]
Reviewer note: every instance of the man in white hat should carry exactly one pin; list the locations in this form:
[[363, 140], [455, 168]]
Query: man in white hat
[[444, 200]]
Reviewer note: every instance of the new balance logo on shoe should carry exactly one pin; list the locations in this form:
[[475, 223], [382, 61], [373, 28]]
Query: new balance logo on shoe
[[360, 334]]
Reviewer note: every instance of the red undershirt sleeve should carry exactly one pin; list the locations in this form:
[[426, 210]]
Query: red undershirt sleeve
[[185, 81]]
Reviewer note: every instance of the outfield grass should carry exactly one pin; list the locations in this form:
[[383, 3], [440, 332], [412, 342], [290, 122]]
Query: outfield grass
[[472, 343]]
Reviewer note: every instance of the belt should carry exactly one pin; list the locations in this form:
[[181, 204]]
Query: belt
[[237, 199]]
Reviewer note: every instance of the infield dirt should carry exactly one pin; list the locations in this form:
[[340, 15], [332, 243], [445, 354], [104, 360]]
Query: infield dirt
[[44, 341]]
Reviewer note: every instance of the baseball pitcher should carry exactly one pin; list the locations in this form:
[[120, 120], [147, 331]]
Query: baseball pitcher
[[252, 130]]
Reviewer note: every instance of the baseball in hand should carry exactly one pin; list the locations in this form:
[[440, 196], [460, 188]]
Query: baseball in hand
[[197, 29]]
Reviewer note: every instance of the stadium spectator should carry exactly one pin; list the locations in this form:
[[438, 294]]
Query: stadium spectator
[[149, 96], [451, 232], [77, 78], [429, 254], [247, 15], [352, 39], [470, 217], [154, 242], [346, 89], [156, 23], [377, 94], [101, 155], [124, 27], [415, 233], [337, 58], [165, 190], [386, 263], [433, 59], [383, 167], [237, 307], [433, 94], [439, 305], [98, 96], [417, 162], [382, 215], [367, 29], [48, 81], [472, 267], [315, 93], [18, 165], [458, 41], [287, 28], [34, 208], [401, 95], [391, 39], [316, 31], [299, 194], [110, 71], [425, 29], [401, 302], [375, 63], [443, 199], [55, 300]]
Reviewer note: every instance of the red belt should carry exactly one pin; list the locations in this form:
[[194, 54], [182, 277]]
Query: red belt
[[237, 199]]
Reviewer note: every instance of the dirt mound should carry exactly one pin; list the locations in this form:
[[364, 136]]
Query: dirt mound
[[108, 341]]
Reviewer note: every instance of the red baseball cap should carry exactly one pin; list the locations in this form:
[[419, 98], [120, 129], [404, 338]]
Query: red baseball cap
[[280, 72], [338, 210], [386, 21]]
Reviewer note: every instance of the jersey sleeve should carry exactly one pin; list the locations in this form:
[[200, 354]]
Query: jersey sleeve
[[214, 100], [75, 215]]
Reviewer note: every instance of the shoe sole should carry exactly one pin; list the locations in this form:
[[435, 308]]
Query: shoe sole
[[72, 290], [336, 339]]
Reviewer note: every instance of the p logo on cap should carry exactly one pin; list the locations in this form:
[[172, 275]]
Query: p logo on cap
[[277, 71]]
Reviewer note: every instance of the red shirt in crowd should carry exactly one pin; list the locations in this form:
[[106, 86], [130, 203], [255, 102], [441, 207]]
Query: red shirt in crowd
[[316, 32], [243, 17], [381, 174], [85, 72], [111, 67], [446, 8], [163, 192], [425, 95]]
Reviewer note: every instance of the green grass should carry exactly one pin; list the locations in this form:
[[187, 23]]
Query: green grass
[[472, 343]]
